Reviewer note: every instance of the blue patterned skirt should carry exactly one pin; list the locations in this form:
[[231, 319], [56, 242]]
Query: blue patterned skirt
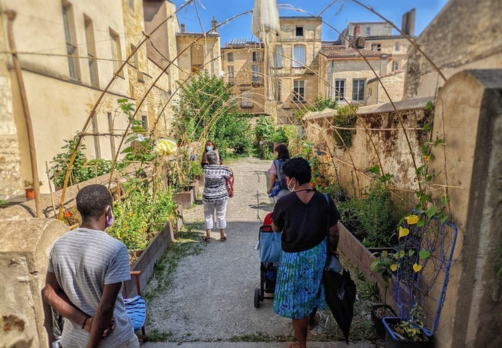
[[298, 280]]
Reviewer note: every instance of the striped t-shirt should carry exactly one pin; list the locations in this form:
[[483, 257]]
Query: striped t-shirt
[[215, 189], [84, 261]]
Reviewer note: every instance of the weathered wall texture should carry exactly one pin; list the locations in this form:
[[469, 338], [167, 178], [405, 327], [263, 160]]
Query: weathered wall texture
[[391, 145], [10, 156], [24, 255], [473, 154], [465, 35], [393, 83]]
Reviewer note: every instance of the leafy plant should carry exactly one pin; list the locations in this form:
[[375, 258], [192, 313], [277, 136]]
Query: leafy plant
[[320, 104], [345, 117], [205, 111], [29, 184], [411, 329]]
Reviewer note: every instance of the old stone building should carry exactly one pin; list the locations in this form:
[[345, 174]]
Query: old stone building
[[198, 51], [464, 35], [69, 51]]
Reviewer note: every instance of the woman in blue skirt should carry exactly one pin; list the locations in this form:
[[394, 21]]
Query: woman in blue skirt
[[304, 218]]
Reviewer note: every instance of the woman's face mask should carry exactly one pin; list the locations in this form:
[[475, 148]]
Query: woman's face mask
[[209, 148]]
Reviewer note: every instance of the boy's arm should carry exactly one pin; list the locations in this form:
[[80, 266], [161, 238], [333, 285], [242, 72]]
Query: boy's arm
[[56, 298], [104, 314]]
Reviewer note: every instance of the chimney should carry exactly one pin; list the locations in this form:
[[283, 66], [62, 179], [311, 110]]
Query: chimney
[[357, 30], [182, 27], [383, 64], [214, 23], [408, 23]]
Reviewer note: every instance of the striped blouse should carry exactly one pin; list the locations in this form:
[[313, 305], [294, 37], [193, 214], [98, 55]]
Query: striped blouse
[[215, 189]]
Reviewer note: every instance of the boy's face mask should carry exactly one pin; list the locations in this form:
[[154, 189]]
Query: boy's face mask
[[109, 218]]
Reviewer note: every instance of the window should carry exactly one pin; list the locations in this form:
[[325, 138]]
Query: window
[[397, 47], [110, 129], [339, 89], [299, 31], [278, 57], [376, 47], [197, 55], [71, 41], [358, 89], [395, 66], [255, 57], [368, 30], [130, 3], [299, 56], [91, 52], [231, 74], [230, 57], [116, 52], [95, 130], [278, 90], [246, 99], [144, 122], [134, 58], [256, 73], [299, 91]]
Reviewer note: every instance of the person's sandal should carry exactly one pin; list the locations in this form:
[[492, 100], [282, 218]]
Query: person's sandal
[[317, 319], [207, 239], [293, 345], [223, 239]]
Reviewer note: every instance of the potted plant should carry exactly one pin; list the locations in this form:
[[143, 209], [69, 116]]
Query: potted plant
[[28, 188], [382, 265], [407, 333]]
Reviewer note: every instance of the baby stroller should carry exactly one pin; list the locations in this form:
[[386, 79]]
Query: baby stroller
[[268, 271]]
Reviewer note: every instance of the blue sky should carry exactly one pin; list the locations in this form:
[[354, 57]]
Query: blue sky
[[240, 28]]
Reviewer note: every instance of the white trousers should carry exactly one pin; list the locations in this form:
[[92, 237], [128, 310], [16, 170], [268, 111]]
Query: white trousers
[[221, 212]]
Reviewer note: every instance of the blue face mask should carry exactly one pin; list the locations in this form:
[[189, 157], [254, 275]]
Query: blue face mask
[[209, 148]]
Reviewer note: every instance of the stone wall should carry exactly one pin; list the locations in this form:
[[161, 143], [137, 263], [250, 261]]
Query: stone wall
[[10, 156], [393, 83], [24, 255], [466, 34]]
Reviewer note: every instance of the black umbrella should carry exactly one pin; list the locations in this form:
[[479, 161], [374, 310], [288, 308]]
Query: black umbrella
[[340, 296]]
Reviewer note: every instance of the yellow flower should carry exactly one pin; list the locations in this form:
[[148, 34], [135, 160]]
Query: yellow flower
[[417, 268], [393, 267], [427, 158], [403, 232], [384, 253], [412, 219], [165, 147]]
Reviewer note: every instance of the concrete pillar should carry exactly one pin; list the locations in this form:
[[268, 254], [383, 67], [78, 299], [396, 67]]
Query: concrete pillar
[[469, 118], [383, 64], [24, 255]]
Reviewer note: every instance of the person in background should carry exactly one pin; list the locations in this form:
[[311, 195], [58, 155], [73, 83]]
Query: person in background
[[215, 195], [84, 278], [210, 147], [308, 221], [281, 156]]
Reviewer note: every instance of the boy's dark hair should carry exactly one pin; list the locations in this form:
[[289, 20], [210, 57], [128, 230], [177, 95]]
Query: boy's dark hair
[[92, 201], [282, 152], [299, 169]]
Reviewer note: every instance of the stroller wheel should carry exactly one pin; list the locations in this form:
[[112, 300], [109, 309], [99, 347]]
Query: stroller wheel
[[257, 298]]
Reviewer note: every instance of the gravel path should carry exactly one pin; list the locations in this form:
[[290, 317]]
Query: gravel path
[[211, 296]]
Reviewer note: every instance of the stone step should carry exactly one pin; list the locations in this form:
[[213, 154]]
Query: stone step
[[252, 345]]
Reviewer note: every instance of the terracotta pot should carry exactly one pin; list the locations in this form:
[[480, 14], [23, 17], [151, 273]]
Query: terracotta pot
[[30, 193]]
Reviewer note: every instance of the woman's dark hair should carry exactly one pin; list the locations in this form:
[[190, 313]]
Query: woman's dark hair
[[92, 201], [299, 169], [282, 152]]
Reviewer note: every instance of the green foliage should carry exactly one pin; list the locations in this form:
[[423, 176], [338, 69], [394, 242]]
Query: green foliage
[[82, 169], [140, 147], [346, 117], [410, 329], [142, 214], [204, 111], [372, 217]]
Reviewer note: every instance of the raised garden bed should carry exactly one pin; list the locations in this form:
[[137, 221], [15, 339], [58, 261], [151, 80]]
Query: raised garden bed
[[148, 258], [184, 199], [361, 256]]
